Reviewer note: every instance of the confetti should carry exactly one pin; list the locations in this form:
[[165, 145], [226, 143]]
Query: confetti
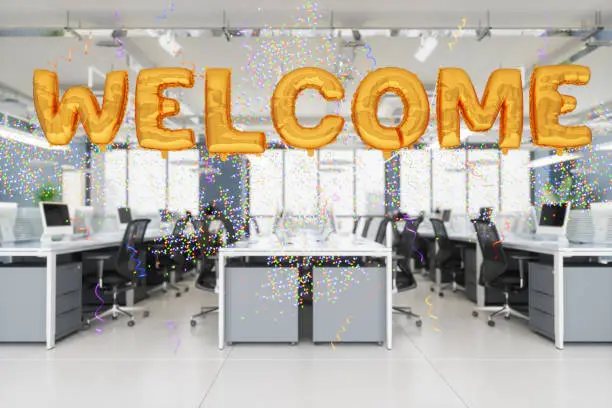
[[431, 315], [99, 307], [456, 34], [342, 330], [370, 57], [139, 268]]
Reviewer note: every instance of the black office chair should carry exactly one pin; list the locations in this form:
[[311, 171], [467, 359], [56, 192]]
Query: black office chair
[[404, 278], [206, 267], [128, 271], [494, 271], [449, 259], [173, 255]]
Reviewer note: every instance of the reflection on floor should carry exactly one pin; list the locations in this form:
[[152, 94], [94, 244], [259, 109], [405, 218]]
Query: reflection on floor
[[163, 362]]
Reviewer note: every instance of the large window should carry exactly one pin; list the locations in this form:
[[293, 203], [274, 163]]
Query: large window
[[483, 179], [266, 182], [449, 180], [515, 181], [415, 181], [370, 175], [112, 191], [300, 182], [183, 181], [147, 181], [336, 178]]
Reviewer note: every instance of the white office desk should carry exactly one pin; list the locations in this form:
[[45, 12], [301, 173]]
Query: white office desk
[[559, 250], [336, 245], [50, 251]]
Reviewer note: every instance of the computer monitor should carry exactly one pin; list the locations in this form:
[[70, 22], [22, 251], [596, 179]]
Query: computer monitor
[[8, 217], [56, 219], [446, 215], [485, 214], [553, 219], [124, 215]]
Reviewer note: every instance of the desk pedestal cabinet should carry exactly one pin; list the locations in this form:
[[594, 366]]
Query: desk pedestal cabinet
[[348, 304], [23, 302], [261, 305], [587, 302]]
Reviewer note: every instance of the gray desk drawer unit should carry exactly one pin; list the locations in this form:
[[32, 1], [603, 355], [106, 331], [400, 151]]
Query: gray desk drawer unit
[[261, 305], [23, 302], [356, 294], [587, 305]]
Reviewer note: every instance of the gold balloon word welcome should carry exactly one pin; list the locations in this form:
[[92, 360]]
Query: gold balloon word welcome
[[455, 96]]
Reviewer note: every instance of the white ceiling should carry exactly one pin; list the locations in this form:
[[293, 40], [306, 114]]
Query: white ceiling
[[252, 89]]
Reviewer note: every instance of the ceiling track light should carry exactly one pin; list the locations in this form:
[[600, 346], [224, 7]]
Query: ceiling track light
[[428, 45]]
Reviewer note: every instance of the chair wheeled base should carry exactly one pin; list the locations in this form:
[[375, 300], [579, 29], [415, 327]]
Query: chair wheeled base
[[117, 310], [405, 310], [505, 311], [203, 312]]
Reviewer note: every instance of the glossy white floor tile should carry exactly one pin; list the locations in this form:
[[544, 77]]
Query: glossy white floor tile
[[163, 362]]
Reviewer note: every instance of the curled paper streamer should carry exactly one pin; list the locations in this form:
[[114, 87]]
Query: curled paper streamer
[[152, 107], [431, 315], [283, 108], [59, 120], [456, 34], [342, 330], [415, 118], [503, 94], [546, 104], [221, 136]]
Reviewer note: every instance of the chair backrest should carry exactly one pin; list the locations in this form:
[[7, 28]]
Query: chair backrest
[[372, 227], [356, 224], [129, 256], [366, 226], [494, 261], [361, 223], [446, 248], [381, 235], [180, 227]]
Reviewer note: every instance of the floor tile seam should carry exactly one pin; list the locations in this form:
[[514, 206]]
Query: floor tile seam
[[451, 388], [212, 384]]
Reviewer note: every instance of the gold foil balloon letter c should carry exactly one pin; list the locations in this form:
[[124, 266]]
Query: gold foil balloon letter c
[[152, 108], [456, 93], [415, 118], [283, 108], [59, 120], [546, 104]]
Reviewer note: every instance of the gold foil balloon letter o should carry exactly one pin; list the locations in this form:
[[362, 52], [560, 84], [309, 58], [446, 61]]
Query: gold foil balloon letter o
[[415, 118], [59, 120], [283, 108], [152, 108]]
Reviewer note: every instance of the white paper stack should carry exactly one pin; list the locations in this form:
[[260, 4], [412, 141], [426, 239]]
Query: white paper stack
[[580, 227]]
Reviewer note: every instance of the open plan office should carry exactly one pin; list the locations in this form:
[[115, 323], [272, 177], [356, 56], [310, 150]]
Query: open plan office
[[425, 277]]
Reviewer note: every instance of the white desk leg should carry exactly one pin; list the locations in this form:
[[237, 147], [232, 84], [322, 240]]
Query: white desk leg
[[389, 301], [480, 290], [221, 284], [559, 299], [51, 281]]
